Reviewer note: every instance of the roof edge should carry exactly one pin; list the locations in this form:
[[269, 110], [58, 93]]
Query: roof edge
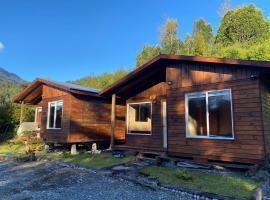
[[252, 63]]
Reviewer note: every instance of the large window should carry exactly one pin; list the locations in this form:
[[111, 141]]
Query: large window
[[139, 118], [209, 114], [54, 120]]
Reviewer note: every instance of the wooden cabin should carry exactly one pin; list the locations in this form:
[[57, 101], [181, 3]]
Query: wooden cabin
[[204, 109], [68, 113]]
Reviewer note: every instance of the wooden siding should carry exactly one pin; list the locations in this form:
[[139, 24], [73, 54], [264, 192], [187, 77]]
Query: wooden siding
[[248, 145], [265, 98], [53, 135], [90, 120], [188, 74], [152, 142], [182, 78]]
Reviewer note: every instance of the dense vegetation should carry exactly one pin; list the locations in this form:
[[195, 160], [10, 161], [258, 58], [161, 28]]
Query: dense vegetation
[[243, 33], [102, 81], [10, 112]]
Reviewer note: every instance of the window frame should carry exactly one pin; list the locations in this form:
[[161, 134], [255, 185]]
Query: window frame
[[206, 94], [127, 121], [55, 114]]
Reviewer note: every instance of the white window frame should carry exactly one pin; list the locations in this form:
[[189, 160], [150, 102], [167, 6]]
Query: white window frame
[[206, 94], [38, 109], [144, 134], [55, 110]]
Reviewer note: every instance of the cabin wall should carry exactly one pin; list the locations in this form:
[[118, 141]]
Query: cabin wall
[[153, 142], [248, 145], [265, 98], [91, 120], [52, 135]]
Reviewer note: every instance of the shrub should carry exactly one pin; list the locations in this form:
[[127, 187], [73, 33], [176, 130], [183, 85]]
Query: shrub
[[183, 174]]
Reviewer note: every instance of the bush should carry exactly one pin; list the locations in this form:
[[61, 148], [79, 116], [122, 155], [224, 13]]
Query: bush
[[183, 174]]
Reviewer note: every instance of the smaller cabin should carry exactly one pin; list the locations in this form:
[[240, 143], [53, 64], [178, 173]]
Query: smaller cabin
[[67, 113]]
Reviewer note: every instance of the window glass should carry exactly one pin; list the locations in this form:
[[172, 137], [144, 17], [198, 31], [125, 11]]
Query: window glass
[[55, 114], [139, 118], [209, 114], [197, 116], [58, 115], [220, 121], [51, 115]]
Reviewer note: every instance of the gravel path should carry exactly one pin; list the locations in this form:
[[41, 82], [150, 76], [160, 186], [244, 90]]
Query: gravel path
[[51, 180]]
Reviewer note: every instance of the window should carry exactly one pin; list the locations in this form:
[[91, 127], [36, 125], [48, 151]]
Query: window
[[55, 115], [139, 118], [209, 114]]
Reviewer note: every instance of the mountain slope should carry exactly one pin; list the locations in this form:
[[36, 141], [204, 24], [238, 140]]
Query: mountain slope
[[11, 78]]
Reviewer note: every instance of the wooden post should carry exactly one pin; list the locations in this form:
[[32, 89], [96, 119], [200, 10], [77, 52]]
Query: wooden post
[[22, 112], [113, 120]]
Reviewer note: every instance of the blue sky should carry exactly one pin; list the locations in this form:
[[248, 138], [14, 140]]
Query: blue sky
[[69, 39]]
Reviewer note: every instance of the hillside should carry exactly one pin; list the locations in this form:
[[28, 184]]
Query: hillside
[[10, 78]]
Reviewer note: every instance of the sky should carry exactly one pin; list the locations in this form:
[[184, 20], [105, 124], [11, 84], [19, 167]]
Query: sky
[[69, 39]]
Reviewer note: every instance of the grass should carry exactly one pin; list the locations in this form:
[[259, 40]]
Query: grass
[[205, 182], [12, 148], [96, 161]]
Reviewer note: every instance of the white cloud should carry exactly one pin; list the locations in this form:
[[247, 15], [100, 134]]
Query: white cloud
[[2, 46]]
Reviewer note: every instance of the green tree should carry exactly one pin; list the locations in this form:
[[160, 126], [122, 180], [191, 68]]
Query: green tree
[[102, 81], [148, 53], [200, 42], [245, 25], [170, 43]]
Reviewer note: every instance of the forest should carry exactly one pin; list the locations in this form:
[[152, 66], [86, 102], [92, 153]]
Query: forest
[[243, 33]]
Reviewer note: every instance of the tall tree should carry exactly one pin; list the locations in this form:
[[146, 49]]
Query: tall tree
[[200, 42], [170, 43], [244, 25], [148, 53]]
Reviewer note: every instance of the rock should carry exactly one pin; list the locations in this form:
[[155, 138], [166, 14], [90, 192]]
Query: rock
[[73, 150], [121, 168], [46, 148], [258, 194], [94, 149], [9, 154]]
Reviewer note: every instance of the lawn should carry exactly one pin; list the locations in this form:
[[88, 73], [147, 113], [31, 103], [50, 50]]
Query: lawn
[[12, 148], [205, 182], [96, 161]]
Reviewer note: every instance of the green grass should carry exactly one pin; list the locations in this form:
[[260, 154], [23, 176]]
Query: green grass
[[96, 161], [205, 182], [11, 148]]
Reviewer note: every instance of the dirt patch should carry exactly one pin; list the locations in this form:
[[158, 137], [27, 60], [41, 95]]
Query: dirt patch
[[53, 180]]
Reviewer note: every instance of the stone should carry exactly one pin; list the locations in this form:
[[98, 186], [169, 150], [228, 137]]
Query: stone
[[73, 150], [94, 149], [120, 168], [46, 148], [258, 194]]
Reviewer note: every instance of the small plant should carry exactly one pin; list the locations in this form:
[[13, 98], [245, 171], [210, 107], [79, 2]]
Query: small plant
[[183, 174]]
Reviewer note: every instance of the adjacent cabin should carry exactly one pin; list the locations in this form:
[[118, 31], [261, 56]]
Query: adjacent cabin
[[68, 113], [198, 108]]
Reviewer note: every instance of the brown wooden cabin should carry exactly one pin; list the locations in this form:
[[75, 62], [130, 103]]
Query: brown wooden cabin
[[199, 108], [68, 113]]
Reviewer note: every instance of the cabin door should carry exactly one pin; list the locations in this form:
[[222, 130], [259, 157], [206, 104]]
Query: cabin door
[[164, 124]]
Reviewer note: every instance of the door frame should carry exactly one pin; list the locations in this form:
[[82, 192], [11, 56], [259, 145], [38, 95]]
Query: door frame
[[164, 124]]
